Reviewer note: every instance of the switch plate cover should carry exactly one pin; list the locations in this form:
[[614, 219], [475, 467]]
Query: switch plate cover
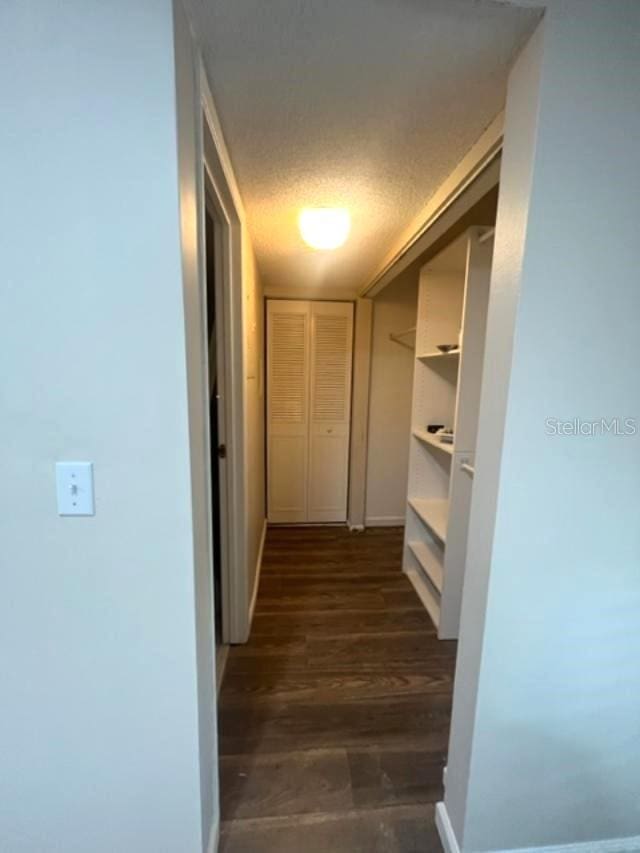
[[74, 488]]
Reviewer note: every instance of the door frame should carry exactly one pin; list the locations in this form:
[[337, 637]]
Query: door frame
[[218, 191], [213, 208]]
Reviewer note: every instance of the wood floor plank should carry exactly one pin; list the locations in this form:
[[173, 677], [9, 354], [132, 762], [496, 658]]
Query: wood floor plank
[[327, 601], [334, 717], [392, 777], [325, 686], [340, 623], [398, 829], [285, 784], [399, 651]]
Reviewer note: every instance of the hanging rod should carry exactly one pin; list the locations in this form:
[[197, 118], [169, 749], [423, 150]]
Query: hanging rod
[[470, 470], [397, 337], [488, 235]]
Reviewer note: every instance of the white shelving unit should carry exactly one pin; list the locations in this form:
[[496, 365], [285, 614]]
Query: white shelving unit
[[452, 309]]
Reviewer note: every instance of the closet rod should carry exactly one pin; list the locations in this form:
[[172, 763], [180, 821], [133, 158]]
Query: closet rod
[[468, 468], [488, 235], [397, 337]]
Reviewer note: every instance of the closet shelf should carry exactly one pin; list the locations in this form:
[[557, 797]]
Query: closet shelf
[[427, 595], [430, 562], [433, 441], [449, 356], [434, 513]]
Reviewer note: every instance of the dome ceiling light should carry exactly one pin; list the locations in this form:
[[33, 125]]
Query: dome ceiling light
[[324, 227]]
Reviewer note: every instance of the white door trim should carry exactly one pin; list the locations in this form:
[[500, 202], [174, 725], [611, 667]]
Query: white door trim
[[223, 192], [361, 381]]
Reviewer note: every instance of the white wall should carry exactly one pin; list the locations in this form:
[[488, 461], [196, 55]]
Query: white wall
[[394, 310], [100, 666], [255, 415], [549, 751]]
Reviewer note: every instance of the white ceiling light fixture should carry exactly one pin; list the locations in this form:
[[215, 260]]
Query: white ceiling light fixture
[[324, 227]]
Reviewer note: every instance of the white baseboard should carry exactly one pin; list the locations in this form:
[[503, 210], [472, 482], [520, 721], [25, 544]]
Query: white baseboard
[[214, 837], [445, 830], [384, 521], [609, 845], [256, 582]]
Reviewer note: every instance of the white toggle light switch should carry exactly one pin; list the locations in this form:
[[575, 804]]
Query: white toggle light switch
[[74, 488]]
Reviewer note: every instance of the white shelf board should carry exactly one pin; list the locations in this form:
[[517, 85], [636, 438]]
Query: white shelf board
[[426, 595], [433, 441], [441, 355], [434, 513], [429, 561]]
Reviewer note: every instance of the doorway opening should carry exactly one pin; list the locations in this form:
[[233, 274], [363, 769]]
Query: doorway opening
[[216, 422], [334, 717], [222, 327]]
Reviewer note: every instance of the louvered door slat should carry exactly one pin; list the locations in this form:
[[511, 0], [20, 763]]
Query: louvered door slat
[[288, 375], [287, 410], [332, 368], [331, 357]]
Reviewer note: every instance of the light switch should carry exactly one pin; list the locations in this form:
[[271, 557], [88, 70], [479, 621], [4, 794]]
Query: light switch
[[74, 488]]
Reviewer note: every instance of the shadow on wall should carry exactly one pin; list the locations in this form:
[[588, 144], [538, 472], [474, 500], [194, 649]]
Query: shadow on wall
[[503, 819]]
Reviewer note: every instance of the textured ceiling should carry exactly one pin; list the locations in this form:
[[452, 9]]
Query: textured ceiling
[[365, 104]]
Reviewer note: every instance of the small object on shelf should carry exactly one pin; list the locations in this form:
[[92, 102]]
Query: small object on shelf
[[445, 435], [434, 427], [431, 439], [447, 347]]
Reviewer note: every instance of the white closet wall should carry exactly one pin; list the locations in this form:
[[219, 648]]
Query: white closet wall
[[391, 387], [309, 362]]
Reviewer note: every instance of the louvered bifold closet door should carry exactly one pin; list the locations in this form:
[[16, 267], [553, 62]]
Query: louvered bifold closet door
[[330, 410], [288, 336]]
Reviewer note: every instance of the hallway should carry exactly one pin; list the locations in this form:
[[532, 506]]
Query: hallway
[[334, 718]]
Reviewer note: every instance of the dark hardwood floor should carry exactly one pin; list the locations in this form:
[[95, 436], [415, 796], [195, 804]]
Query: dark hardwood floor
[[334, 718]]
